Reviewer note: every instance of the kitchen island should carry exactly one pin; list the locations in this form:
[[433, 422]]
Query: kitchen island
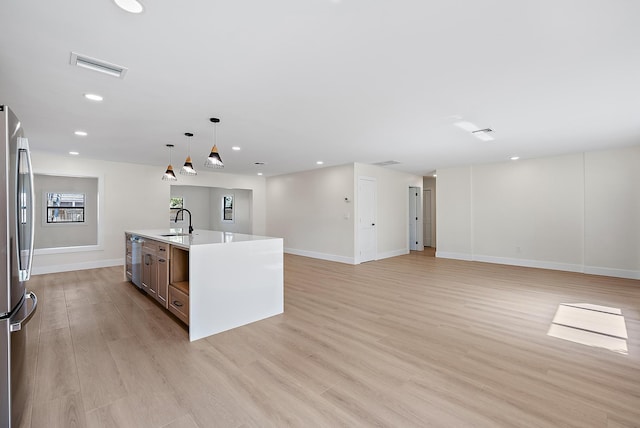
[[216, 281]]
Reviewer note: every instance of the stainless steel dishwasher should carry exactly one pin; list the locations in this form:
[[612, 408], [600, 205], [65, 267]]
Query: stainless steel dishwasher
[[136, 260]]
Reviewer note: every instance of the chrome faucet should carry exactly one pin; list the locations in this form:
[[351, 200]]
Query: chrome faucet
[[176, 220]]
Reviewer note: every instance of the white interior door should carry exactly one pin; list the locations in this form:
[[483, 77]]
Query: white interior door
[[367, 237], [414, 198], [427, 218]]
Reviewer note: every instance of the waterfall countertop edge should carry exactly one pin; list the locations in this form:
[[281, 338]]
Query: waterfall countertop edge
[[179, 236]]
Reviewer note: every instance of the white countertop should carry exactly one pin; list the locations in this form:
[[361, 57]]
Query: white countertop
[[199, 236]]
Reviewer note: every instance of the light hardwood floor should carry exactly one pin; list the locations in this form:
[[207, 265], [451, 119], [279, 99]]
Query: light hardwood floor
[[401, 342]]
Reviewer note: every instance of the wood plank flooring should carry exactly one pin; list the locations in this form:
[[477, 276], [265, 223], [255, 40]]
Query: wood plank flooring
[[402, 342]]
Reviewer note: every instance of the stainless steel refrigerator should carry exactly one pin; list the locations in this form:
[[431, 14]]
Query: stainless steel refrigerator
[[16, 254]]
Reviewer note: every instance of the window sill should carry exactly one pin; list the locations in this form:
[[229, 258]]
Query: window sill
[[62, 250]]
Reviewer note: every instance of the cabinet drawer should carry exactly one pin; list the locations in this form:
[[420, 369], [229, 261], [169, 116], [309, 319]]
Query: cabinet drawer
[[162, 250], [179, 304]]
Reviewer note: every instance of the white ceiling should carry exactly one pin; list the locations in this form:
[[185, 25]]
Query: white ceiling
[[296, 81]]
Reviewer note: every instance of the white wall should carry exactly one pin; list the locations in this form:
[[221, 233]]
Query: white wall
[[453, 218], [612, 212], [205, 205], [309, 211], [134, 197], [48, 235], [197, 200], [531, 210], [241, 210], [392, 217], [253, 183], [576, 212]]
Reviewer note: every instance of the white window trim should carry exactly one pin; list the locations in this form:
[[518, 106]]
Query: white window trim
[[100, 216]]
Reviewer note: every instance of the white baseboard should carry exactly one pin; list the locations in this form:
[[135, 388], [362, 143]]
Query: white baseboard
[[539, 264], [40, 270], [393, 253], [455, 256], [567, 267], [321, 256], [618, 273]]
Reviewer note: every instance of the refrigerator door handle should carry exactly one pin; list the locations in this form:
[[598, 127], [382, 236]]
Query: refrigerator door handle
[[26, 208], [17, 325]]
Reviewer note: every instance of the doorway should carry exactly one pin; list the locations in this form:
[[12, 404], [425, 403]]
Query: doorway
[[367, 236]]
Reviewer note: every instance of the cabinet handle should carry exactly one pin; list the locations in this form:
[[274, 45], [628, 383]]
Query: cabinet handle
[[161, 260], [163, 249], [177, 304]]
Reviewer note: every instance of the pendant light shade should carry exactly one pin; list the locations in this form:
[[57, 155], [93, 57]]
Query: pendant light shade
[[214, 160], [169, 175], [188, 168]]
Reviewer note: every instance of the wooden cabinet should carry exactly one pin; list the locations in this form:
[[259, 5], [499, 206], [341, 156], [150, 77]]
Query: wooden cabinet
[[155, 270], [179, 301], [165, 275], [179, 284], [149, 268], [163, 280], [162, 289]]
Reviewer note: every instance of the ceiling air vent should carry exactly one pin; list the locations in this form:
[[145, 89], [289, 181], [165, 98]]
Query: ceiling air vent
[[386, 163], [97, 65]]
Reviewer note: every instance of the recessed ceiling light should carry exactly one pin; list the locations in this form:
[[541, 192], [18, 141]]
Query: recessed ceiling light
[[435, 175], [93, 97], [319, 163], [81, 133], [514, 157], [259, 173], [236, 148], [74, 153], [132, 6]]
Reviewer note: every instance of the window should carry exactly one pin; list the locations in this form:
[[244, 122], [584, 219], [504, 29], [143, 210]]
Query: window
[[227, 208], [65, 207], [175, 204]]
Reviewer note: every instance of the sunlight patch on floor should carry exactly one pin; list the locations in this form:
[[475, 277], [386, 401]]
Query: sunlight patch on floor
[[591, 325]]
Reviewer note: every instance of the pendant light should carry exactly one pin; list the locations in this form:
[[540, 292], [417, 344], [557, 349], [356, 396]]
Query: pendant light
[[214, 160], [188, 168], [169, 175]]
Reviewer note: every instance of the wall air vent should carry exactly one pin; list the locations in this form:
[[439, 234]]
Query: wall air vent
[[97, 65], [386, 163]]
